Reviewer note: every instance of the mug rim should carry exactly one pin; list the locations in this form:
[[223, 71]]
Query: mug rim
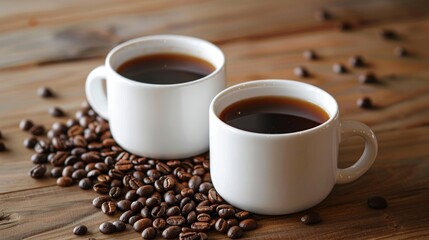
[[125, 44], [263, 82]]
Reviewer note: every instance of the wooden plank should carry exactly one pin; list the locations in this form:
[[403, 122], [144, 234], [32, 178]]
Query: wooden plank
[[63, 33]]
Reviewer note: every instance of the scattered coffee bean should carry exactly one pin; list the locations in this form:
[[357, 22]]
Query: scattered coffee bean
[[356, 61], [85, 183], [300, 72], [241, 215], [142, 224], [309, 55], [134, 219], [120, 226], [175, 220], [38, 171], [80, 230], [221, 225], [44, 92], [108, 208], [367, 78], [322, 15], [235, 232], [26, 124], [56, 172], [248, 224], [388, 34], [364, 102], [37, 130], [339, 68], [149, 233], [401, 51], [101, 188], [344, 26], [159, 223], [107, 228], [30, 142], [64, 181], [232, 222], [171, 232], [115, 192], [377, 202], [124, 205], [311, 218], [56, 112], [98, 201]]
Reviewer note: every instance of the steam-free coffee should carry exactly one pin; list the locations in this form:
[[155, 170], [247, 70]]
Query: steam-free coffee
[[273, 115], [167, 68]]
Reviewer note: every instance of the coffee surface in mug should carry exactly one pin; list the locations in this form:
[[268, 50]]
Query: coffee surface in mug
[[169, 68], [273, 115]]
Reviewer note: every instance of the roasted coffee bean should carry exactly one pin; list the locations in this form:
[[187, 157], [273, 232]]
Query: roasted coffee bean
[[42, 146], [309, 55], [71, 160], [80, 230], [214, 197], [38, 171], [37, 130], [204, 209], [119, 225], [131, 195], [107, 228], [388, 34], [195, 182], [79, 141], [78, 174], [158, 186], [188, 208], [158, 211], [126, 216], [39, 158], [134, 183], [172, 199], [221, 225], [52, 133], [85, 183], [101, 188], [200, 171], [108, 142], [356, 61], [344, 26], [78, 151], [90, 157], [78, 165], [134, 219], [175, 220], [173, 211], [30, 142], [145, 191], [309, 218], [367, 78], [171, 232], [248, 224], [44, 92], [123, 205], [169, 182], [108, 207], [56, 172], [94, 173], [56, 112], [200, 197], [163, 168], [184, 176], [26, 124], [115, 192], [187, 192], [64, 181], [205, 187], [232, 222], [192, 217], [159, 223], [152, 202], [241, 215], [74, 131], [189, 236], [339, 68], [136, 206], [95, 146], [117, 174], [225, 211], [235, 232], [301, 72], [145, 212], [98, 201], [322, 15], [103, 178], [377, 202], [59, 158], [142, 224], [401, 51], [149, 233], [200, 226], [204, 217], [364, 102]]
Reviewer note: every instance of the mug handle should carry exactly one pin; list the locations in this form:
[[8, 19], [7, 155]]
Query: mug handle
[[95, 93], [353, 128]]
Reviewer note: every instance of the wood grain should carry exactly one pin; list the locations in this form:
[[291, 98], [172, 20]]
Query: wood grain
[[57, 43]]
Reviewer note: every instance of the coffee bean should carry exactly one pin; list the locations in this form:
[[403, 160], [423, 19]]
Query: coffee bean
[[322, 15], [78, 174], [248, 224], [192, 217], [94, 173], [64, 181], [107, 228], [204, 209], [344, 26], [356, 61], [309, 55], [98, 201], [37, 130], [171, 232], [214, 197], [120, 226], [123, 205], [188, 208], [232, 222], [26, 124], [39, 158], [200, 226], [103, 178], [377, 202], [56, 172], [300, 72], [364, 102], [152, 202], [200, 171], [159, 223], [136, 206], [67, 171], [30, 142], [74, 131], [101, 188], [235, 232], [310, 218], [367, 78], [175, 220], [339, 68], [205, 187], [142, 224], [189, 236], [134, 219], [204, 217], [388, 34], [226, 213], [108, 208], [38, 171], [131, 195], [44, 92], [85, 183], [126, 216], [71, 160], [163, 168], [221, 225], [149, 233], [187, 192], [241, 215], [401, 51], [80, 230], [90, 157], [169, 182], [56, 112]]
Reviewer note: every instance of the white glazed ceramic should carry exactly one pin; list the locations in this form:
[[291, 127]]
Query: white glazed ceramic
[[158, 121], [277, 174]]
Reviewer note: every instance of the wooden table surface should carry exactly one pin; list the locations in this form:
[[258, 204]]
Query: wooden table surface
[[57, 43]]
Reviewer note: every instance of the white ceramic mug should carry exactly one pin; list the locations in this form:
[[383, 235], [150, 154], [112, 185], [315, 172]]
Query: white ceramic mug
[[159, 121], [277, 174]]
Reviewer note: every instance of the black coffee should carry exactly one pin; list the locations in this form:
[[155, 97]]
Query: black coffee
[[165, 68], [273, 115]]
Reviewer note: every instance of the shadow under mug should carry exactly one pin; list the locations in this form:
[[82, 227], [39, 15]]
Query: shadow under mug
[[167, 121], [276, 174]]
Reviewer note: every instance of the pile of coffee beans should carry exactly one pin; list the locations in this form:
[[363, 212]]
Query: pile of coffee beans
[[174, 198]]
